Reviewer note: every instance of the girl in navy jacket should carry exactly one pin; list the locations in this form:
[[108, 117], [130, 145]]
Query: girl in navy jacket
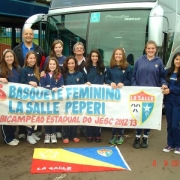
[[148, 71], [51, 80], [56, 51], [119, 74], [9, 72], [71, 77], [94, 73], [30, 75], [172, 105]]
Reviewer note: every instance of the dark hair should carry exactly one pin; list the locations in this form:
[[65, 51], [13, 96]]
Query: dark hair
[[52, 52], [172, 68], [123, 63], [100, 66], [5, 71], [65, 65], [57, 71], [36, 68]]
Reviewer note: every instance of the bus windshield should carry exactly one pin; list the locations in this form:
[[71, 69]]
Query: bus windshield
[[101, 30]]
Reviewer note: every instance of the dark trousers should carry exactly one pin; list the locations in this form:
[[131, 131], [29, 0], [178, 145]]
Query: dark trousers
[[59, 129], [93, 131], [70, 132], [30, 130], [139, 131], [8, 133], [118, 131], [173, 123], [23, 129], [50, 129]]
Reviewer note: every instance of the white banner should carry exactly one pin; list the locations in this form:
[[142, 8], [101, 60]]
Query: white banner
[[95, 105]]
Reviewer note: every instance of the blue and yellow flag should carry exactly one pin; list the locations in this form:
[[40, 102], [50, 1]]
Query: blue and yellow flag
[[77, 160]]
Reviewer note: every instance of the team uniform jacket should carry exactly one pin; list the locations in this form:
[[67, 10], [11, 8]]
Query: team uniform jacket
[[49, 82], [119, 75]]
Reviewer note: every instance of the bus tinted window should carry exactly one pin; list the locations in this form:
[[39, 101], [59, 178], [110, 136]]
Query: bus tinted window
[[69, 28], [70, 3], [111, 29]]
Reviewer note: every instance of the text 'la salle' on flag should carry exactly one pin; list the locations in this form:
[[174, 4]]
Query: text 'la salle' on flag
[[77, 160]]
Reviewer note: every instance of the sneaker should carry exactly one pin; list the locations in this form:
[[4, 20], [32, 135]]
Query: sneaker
[[13, 143], [47, 139], [136, 143], [31, 139], [38, 133], [177, 151], [144, 143], [35, 137], [58, 135], [76, 140], [22, 136], [16, 140], [119, 140], [89, 139], [53, 138], [168, 149], [112, 140], [66, 141], [98, 139]]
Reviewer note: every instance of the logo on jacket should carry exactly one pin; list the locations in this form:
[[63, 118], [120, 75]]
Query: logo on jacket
[[141, 106], [77, 79], [156, 65], [105, 152]]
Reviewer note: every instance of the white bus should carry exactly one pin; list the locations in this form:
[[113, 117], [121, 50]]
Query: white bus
[[107, 24]]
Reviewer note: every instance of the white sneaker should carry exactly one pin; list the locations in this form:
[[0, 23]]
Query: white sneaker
[[177, 151], [47, 139], [35, 137], [58, 135], [22, 136], [13, 143], [16, 140], [31, 139], [53, 138]]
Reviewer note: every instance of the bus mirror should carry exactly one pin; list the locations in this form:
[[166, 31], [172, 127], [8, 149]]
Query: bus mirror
[[156, 25]]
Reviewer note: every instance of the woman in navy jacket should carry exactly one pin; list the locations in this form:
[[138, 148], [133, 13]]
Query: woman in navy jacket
[[71, 77], [119, 74], [94, 73], [148, 71], [30, 75], [172, 105], [51, 80], [56, 51], [9, 72]]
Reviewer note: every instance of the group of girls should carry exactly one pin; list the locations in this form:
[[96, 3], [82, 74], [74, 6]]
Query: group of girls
[[93, 73], [60, 71]]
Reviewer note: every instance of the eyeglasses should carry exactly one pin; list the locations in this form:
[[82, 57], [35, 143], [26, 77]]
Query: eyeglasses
[[78, 48]]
